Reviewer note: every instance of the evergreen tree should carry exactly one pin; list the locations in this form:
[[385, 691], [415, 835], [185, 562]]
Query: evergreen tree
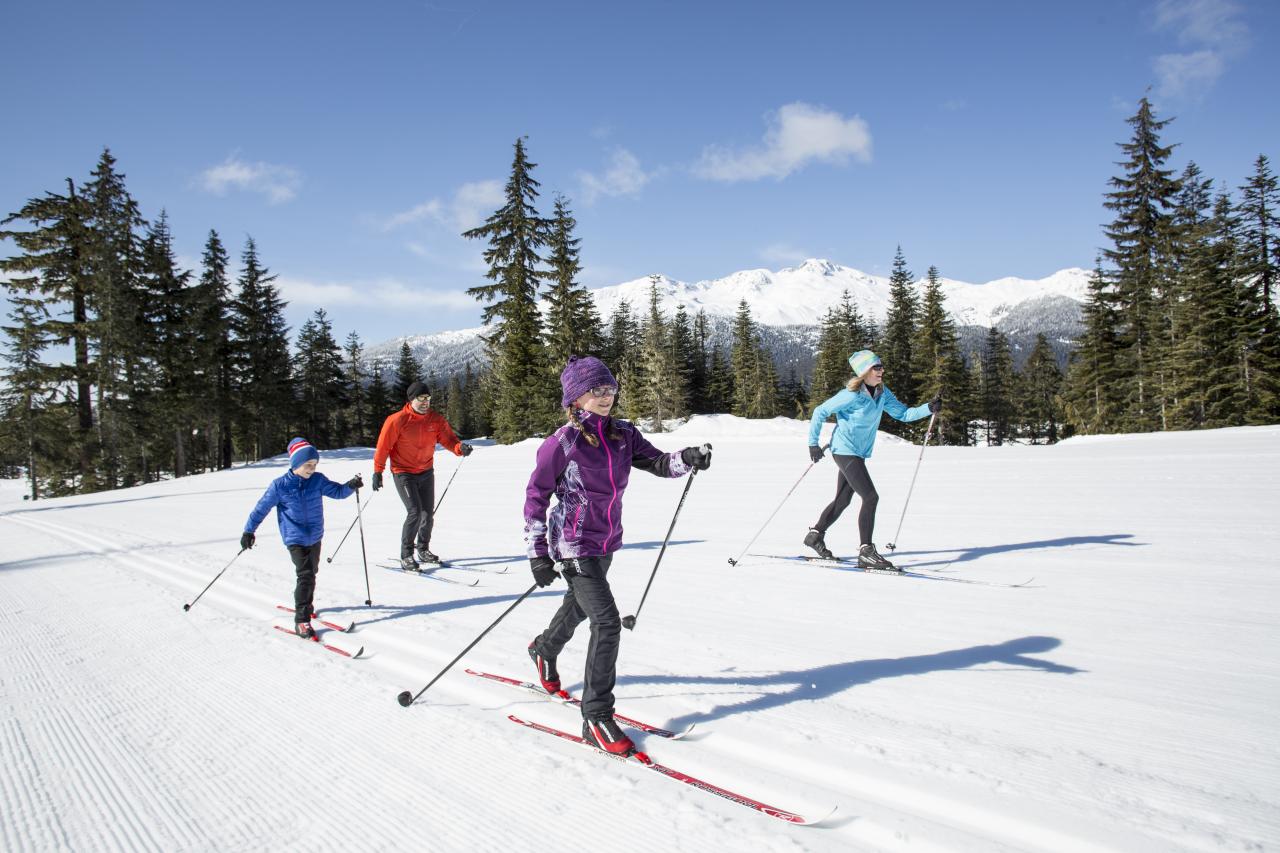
[[215, 364], [896, 341], [1140, 236], [408, 371], [169, 416], [1259, 242], [843, 332], [456, 410], [755, 379], [1041, 383], [120, 334], [319, 380], [523, 400], [939, 368], [573, 324], [356, 421], [29, 387], [997, 388], [660, 393], [379, 402], [793, 399], [56, 250], [1093, 388], [621, 354], [261, 340], [720, 393], [700, 370], [685, 357]]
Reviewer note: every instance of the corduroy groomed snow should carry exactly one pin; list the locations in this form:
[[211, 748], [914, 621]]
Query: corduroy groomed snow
[[580, 375], [300, 451], [862, 361]]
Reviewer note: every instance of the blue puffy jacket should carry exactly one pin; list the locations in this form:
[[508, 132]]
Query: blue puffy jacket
[[858, 417], [297, 502]]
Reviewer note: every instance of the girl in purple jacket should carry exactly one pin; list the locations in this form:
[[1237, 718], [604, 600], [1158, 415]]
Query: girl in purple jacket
[[586, 464]]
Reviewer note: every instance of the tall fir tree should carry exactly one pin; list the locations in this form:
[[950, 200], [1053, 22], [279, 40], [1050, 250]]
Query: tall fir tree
[[621, 354], [997, 410], [379, 401], [1093, 392], [261, 339], [1040, 384], [1140, 236], [700, 369], [215, 363], [572, 322], [939, 367], [895, 344], [320, 383], [355, 426], [1259, 240], [408, 371], [56, 250], [660, 394], [720, 392], [755, 378], [524, 404]]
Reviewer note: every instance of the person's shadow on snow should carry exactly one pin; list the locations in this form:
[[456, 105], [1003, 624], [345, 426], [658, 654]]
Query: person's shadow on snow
[[821, 682], [966, 555]]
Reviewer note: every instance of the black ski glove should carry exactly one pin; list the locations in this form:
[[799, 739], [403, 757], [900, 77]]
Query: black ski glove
[[816, 453], [544, 570], [697, 457], [355, 482], [246, 540], [377, 480], [935, 405], [466, 449]]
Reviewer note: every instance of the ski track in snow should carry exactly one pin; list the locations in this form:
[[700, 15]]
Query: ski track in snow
[[222, 734]]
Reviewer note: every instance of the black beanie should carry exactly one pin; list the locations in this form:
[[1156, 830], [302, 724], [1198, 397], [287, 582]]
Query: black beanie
[[416, 388]]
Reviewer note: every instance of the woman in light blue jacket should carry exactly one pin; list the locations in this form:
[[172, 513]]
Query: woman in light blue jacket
[[857, 410]]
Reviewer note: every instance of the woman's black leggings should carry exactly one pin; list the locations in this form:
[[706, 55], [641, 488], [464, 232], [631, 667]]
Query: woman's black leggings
[[853, 478]]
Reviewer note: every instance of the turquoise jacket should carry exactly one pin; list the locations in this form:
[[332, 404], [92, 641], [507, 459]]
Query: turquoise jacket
[[858, 418]]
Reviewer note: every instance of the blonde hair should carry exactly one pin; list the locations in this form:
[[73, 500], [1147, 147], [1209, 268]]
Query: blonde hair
[[856, 382], [572, 413]]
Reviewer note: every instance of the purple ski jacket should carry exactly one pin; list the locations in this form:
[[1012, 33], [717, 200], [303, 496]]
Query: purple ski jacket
[[589, 482]]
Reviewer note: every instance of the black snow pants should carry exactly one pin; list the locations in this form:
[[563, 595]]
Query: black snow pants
[[852, 479], [418, 493], [589, 597], [306, 562]]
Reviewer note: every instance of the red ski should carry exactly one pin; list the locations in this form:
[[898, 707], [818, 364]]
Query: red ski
[[346, 627], [565, 698], [645, 761], [316, 639]]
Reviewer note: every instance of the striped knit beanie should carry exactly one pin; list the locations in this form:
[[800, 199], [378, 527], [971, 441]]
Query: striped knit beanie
[[300, 451], [862, 361]]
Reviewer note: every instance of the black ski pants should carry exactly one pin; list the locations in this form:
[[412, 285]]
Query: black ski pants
[[852, 479], [418, 494], [589, 597], [306, 563]]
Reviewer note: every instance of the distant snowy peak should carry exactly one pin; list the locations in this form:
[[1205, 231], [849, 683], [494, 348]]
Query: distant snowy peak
[[801, 295]]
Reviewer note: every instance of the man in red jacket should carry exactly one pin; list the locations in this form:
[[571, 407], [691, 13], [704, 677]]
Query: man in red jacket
[[409, 439]]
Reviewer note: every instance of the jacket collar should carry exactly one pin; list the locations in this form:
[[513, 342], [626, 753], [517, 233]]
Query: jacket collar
[[408, 409]]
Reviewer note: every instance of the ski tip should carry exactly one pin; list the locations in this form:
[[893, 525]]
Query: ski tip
[[803, 821], [359, 652], [681, 735]]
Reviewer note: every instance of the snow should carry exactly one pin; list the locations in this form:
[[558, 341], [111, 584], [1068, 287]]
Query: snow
[[1124, 701]]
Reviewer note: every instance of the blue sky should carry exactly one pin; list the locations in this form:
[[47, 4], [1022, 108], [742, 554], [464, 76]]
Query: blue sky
[[354, 142]]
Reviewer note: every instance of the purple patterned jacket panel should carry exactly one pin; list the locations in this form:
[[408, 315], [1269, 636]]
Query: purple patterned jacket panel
[[588, 483]]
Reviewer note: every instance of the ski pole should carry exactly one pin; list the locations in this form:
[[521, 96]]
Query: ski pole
[[363, 554], [892, 546], [447, 485], [406, 698], [629, 622], [350, 527], [733, 561], [186, 607]]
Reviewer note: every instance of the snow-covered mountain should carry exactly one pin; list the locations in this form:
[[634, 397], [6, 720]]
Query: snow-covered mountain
[[790, 303]]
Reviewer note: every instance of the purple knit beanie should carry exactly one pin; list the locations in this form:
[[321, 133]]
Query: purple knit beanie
[[582, 374]]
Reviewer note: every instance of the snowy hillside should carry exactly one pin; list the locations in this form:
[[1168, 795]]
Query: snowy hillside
[[791, 303], [1125, 700]]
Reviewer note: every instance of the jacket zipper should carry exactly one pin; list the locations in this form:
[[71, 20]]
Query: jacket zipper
[[612, 484]]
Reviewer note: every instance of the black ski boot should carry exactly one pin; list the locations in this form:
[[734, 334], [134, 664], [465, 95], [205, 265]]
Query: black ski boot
[[606, 734], [304, 630], [815, 541], [547, 673], [425, 555], [408, 564], [869, 558]]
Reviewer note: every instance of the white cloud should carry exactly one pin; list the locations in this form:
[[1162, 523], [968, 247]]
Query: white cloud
[[471, 204], [623, 177], [1213, 28], [798, 134], [388, 293], [277, 183], [783, 253]]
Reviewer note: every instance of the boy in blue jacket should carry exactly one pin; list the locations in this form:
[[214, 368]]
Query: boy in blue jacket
[[296, 497], [858, 409]]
